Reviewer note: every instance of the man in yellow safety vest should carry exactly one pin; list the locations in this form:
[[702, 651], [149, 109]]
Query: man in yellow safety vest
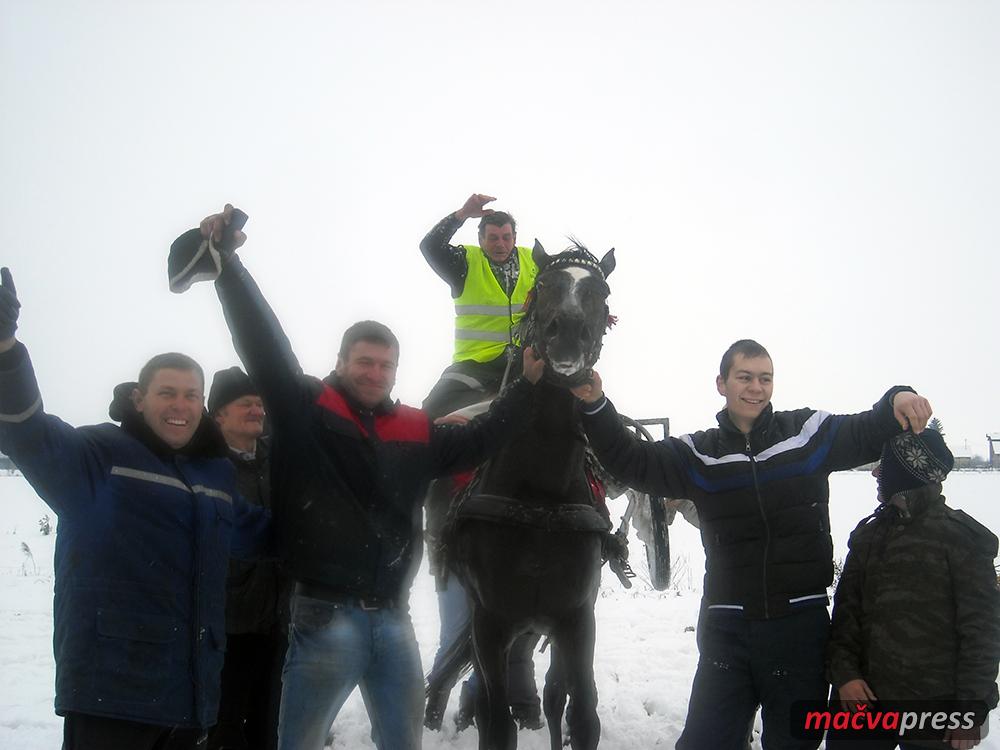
[[490, 284]]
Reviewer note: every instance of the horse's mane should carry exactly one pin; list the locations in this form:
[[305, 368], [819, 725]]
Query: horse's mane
[[576, 254]]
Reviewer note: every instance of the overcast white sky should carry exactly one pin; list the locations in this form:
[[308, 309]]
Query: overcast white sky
[[820, 176]]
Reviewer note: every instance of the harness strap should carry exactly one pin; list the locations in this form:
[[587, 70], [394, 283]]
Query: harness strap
[[510, 512]]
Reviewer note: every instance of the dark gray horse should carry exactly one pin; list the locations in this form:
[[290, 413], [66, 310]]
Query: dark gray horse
[[526, 540]]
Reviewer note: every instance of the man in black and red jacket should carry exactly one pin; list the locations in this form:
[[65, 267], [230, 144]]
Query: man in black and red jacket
[[349, 470], [760, 482]]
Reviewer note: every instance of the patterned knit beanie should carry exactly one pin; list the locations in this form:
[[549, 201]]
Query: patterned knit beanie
[[910, 461]]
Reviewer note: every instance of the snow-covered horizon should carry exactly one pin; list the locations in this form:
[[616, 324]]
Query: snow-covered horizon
[[645, 656]]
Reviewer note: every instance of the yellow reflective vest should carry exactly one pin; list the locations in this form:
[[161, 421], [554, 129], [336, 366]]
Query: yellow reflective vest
[[484, 316]]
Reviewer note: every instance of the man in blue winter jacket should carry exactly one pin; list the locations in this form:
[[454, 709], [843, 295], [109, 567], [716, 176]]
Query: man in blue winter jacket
[[148, 518]]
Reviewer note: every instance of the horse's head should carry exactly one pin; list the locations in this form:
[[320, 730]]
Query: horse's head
[[568, 312]]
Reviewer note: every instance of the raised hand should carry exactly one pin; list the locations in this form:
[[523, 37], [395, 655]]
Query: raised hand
[[214, 226], [474, 207], [9, 308], [911, 410]]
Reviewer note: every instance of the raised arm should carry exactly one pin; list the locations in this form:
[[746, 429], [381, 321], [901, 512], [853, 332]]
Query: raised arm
[[859, 437], [258, 337], [55, 458], [655, 468], [446, 260]]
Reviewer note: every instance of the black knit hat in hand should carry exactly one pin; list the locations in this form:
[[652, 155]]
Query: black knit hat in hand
[[910, 461]]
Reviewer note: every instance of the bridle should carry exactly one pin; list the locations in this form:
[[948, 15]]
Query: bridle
[[574, 258]]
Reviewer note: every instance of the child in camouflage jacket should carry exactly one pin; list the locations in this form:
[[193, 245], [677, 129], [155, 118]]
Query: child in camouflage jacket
[[917, 611]]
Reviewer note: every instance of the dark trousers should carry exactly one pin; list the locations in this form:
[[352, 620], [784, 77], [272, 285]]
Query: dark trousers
[[86, 732], [251, 693], [465, 383], [746, 663]]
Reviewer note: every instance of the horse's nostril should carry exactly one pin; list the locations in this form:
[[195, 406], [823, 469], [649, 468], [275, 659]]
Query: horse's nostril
[[552, 328], [585, 334]]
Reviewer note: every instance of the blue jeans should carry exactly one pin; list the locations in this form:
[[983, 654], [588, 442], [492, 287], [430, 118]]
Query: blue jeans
[[334, 647], [746, 663], [455, 613]]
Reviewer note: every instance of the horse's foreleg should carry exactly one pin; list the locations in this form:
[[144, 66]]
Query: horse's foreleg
[[554, 696], [577, 638], [490, 641]]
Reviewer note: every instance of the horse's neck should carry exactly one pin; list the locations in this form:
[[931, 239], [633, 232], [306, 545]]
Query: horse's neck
[[544, 461]]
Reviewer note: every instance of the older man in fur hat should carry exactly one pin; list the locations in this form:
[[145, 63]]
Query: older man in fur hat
[[257, 593]]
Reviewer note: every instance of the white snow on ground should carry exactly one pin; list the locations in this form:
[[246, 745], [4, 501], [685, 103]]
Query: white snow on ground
[[646, 653]]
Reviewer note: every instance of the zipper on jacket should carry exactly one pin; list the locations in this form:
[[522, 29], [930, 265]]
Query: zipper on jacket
[[763, 517]]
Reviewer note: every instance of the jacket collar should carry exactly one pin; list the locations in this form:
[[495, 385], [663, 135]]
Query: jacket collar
[[207, 441], [386, 406], [759, 426], [910, 504]]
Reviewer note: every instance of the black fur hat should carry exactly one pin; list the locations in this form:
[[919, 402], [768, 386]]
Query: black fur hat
[[227, 386]]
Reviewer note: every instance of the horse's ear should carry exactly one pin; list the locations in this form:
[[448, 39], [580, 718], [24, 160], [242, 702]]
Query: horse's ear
[[539, 255], [608, 262]]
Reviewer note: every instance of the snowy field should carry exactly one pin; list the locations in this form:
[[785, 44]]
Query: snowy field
[[646, 652]]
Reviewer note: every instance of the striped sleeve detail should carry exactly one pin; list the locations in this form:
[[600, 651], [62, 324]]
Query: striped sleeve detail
[[17, 418], [808, 431], [707, 460], [705, 471], [592, 409], [19, 395], [148, 476], [209, 492], [799, 440], [168, 481]]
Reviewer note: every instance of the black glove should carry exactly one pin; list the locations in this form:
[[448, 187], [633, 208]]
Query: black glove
[[9, 306]]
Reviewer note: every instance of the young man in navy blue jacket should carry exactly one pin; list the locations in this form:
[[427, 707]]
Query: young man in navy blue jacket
[[349, 471], [148, 517], [760, 483]]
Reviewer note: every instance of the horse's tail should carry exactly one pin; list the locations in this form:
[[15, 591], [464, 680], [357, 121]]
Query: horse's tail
[[455, 663]]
